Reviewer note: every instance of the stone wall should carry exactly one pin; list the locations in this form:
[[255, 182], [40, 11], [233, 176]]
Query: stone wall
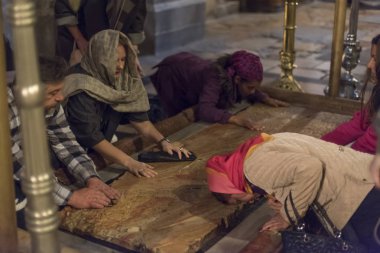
[[220, 8], [173, 23]]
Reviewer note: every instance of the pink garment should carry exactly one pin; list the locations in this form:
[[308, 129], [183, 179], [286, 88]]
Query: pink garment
[[225, 172], [363, 136]]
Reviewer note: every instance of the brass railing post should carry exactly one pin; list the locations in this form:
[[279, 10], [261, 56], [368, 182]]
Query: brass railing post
[[37, 182], [287, 55], [8, 227], [337, 47]]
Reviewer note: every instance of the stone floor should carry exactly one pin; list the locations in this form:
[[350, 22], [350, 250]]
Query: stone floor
[[262, 33]]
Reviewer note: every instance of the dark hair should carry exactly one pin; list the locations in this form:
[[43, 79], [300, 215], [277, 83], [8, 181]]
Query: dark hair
[[222, 197], [375, 39], [373, 103], [226, 97], [52, 69]]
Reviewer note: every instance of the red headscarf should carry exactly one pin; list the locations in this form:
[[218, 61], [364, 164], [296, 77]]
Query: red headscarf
[[225, 172], [246, 65]]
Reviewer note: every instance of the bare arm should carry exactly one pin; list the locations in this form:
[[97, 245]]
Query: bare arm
[[78, 37], [115, 155]]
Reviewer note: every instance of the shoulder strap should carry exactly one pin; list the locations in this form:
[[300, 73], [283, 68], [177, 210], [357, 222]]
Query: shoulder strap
[[287, 212], [295, 211], [321, 212]]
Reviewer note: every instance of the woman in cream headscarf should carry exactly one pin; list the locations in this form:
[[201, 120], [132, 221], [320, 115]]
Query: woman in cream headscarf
[[105, 90]]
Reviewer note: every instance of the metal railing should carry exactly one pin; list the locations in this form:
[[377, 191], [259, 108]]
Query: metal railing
[[8, 231], [37, 181]]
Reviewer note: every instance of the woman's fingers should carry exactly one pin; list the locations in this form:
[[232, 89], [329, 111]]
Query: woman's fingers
[[186, 152], [276, 223], [282, 103], [179, 152], [148, 166], [148, 173]]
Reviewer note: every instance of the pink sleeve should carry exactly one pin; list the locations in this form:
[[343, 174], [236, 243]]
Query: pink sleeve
[[347, 132], [367, 142]]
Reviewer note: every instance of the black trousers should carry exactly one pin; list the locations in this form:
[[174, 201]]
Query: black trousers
[[360, 228]]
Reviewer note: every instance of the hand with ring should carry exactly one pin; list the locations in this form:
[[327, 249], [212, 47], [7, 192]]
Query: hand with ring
[[170, 148]]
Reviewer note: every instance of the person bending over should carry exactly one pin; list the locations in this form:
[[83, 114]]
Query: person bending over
[[281, 163]]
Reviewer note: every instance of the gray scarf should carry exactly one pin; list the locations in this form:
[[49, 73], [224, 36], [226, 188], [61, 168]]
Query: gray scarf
[[126, 94]]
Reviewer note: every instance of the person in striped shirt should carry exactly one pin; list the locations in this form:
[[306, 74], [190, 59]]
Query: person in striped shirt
[[89, 190]]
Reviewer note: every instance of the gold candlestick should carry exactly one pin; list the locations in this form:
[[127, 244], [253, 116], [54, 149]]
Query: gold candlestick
[[287, 55]]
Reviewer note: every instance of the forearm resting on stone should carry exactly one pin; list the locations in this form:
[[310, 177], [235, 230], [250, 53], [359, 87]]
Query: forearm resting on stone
[[112, 153]]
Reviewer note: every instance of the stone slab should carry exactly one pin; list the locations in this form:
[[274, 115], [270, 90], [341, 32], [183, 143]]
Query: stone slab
[[175, 212]]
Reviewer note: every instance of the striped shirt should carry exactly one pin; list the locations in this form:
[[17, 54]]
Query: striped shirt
[[62, 142]]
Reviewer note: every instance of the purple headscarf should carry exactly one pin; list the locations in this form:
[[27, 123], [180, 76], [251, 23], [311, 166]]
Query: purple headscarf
[[246, 65]]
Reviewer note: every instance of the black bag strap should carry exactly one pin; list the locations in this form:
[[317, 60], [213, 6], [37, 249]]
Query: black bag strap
[[321, 212], [292, 222], [316, 207], [298, 224], [296, 213], [299, 219]]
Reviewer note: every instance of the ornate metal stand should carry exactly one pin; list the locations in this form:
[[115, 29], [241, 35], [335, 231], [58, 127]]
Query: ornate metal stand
[[41, 212], [349, 85], [287, 55]]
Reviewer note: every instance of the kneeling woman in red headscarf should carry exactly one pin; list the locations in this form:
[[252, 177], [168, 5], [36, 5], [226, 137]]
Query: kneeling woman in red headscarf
[[184, 80]]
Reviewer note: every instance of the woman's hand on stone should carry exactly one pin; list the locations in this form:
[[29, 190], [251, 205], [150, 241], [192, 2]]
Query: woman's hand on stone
[[171, 148], [274, 102], [141, 169], [245, 122], [276, 223]]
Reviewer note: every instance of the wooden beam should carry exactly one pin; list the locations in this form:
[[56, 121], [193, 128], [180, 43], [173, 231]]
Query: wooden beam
[[317, 102]]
